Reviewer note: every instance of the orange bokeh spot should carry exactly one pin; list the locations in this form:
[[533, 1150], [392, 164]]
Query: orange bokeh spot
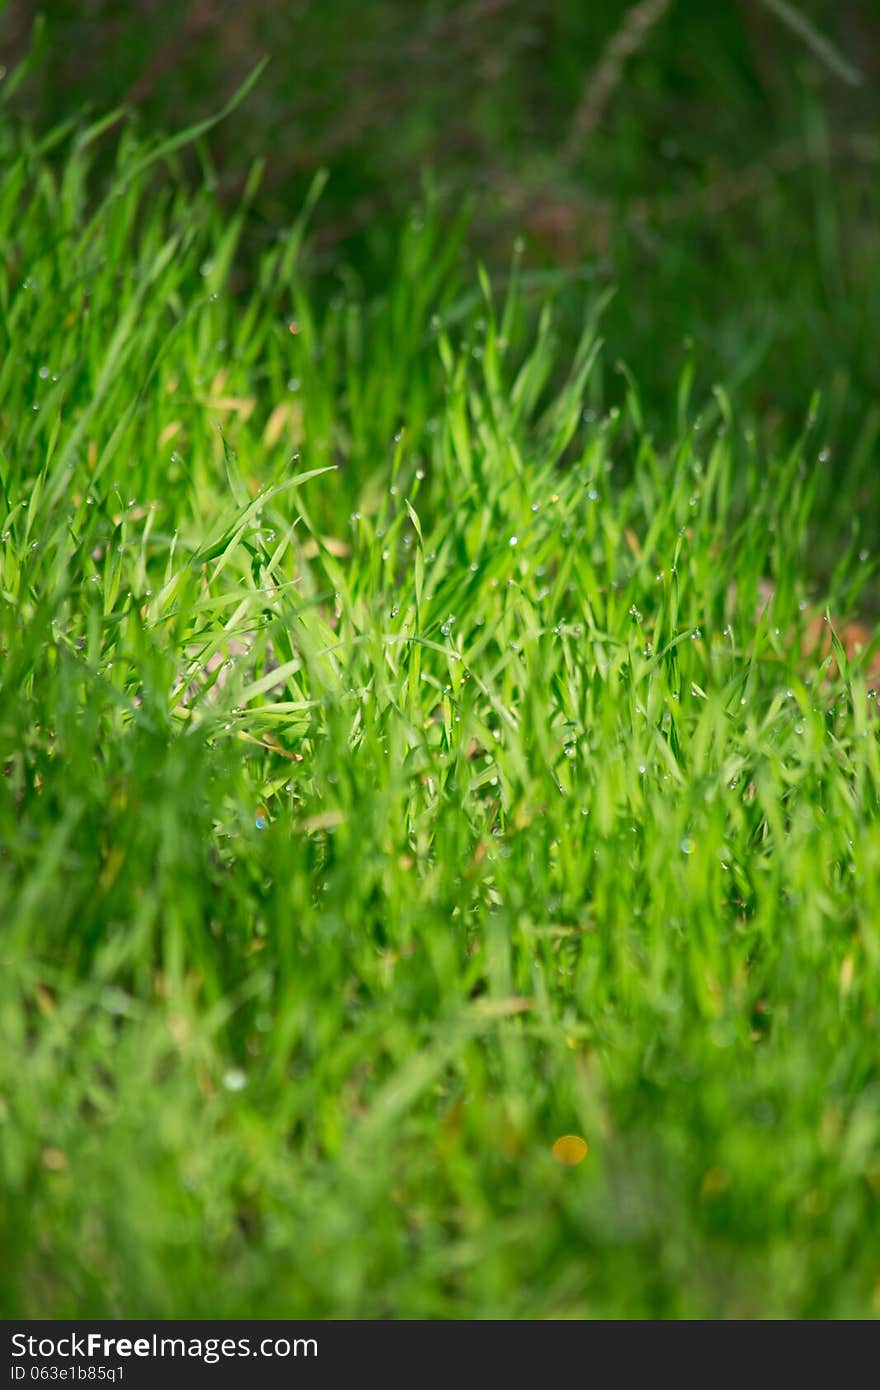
[[570, 1149]]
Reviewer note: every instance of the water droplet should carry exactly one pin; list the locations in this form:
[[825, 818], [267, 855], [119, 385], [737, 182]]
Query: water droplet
[[234, 1079], [687, 845]]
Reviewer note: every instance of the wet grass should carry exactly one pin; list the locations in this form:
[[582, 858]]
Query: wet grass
[[403, 768]]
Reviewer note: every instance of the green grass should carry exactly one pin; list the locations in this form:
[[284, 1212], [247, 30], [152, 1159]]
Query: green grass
[[396, 777], [728, 182]]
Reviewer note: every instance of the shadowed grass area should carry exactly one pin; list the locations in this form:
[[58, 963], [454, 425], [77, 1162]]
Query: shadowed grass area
[[402, 768]]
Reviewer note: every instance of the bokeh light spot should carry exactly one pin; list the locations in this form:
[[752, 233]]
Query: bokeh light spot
[[570, 1149]]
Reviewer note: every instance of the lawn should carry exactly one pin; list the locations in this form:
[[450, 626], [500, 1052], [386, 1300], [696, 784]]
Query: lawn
[[412, 756]]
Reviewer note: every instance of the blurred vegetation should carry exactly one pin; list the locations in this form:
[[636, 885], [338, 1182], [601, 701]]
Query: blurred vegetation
[[718, 161]]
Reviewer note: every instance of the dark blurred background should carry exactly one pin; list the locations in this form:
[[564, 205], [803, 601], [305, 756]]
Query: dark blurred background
[[717, 161]]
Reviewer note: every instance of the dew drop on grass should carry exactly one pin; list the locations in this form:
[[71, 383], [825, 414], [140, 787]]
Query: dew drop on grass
[[687, 845], [234, 1079]]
